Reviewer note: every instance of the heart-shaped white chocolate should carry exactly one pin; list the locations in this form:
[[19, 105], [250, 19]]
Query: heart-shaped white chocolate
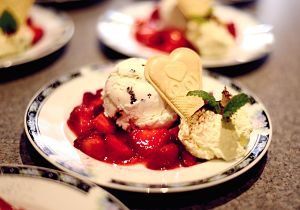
[[173, 76]]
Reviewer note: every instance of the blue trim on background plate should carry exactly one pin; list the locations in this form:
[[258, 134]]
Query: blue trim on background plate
[[47, 174], [58, 176]]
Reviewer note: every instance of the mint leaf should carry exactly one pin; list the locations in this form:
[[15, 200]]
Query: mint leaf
[[198, 19], [208, 98], [202, 19], [234, 104], [8, 23]]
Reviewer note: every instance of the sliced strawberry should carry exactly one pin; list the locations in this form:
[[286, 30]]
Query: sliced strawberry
[[117, 149], [173, 38], [103, 124], [155, 15], [94, 101], [29, 21], [5, 206], [92, 145], [174, 132], [80, 119], [37, 33], [188, 159], [99, 93], [145, 142], [147, 33], [231, 28], [164, 158], [88, 98], [91, 99]]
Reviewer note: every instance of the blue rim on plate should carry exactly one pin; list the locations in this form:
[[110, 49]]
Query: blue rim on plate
[[259, 147]]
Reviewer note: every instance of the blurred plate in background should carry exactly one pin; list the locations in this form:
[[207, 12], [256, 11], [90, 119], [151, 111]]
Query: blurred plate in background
[[58, 30], [35, 188], [254, 40]]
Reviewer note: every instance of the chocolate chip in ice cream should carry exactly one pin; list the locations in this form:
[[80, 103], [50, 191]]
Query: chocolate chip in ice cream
[[132, 95]]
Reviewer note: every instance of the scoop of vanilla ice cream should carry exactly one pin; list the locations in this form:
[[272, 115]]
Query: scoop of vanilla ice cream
[[15, 43], [132, 100], [210, 38], [205, 135]]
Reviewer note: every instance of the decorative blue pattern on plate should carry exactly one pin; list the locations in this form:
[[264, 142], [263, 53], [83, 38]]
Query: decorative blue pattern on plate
[[30, 187]]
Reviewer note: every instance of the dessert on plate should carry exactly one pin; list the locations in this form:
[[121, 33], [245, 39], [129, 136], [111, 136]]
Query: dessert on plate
[[18, 31], [153, 112], [186, 23]]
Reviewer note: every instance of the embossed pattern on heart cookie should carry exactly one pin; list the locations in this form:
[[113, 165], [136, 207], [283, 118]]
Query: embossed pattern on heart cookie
[[173, 76]]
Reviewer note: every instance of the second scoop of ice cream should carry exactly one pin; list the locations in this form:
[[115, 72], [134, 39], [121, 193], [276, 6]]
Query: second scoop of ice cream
[[130, 99], [207, 136]]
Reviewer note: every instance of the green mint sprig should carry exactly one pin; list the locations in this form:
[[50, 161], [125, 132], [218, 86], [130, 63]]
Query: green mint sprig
[[208, 98], [198, 19], [232, 106], [8, 23], [203, 18]]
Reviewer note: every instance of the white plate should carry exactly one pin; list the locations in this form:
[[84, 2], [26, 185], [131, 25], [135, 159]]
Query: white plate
[[45, 125], [36, 188], [254, 40], [58, 30]]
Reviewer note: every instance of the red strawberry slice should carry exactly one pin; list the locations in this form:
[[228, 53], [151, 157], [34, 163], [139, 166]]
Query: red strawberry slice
[[104, 124], [99, 93], [173, 38], [231, 28], [5, 206], [91, 144], [94, 101], [117, 150], [147, 33], [88, 98], [155, 15], [164, 158], [188, 159], [37, 33], [80, 119], [29, 22], [145, 142], [174, 132]]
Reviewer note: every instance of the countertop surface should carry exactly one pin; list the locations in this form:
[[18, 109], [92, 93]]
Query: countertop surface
[[273, 183]]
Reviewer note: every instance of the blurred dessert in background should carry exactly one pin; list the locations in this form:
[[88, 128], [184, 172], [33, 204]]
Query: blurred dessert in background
[[18, 32], [186, 23]]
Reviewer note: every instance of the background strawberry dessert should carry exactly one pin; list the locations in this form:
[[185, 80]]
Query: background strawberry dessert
[[18, 31], [186, 23]]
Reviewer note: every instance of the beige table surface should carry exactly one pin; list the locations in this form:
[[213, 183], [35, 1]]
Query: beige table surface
[[272, 184]]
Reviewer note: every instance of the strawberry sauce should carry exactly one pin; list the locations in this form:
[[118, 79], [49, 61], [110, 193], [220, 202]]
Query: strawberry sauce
[[150, 33], [99, 137]]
